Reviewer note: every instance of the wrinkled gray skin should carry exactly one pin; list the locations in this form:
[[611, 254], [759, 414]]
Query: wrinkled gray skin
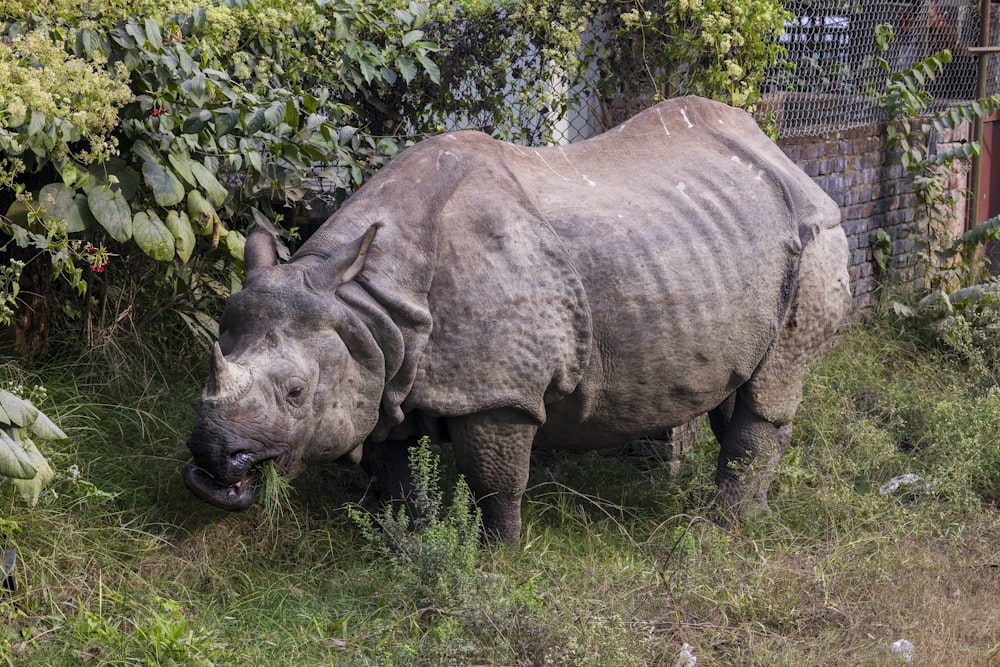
[[506, 298]]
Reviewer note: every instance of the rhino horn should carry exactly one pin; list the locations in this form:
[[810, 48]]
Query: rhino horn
[[226, 380]]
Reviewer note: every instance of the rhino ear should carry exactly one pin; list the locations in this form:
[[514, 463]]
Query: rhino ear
[[260, 251], [349, 259]]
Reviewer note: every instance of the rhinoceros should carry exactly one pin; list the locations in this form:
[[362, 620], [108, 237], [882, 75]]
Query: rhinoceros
[[503, 298]]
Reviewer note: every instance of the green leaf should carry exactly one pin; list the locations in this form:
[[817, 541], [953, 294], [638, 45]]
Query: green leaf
[[216, 192], [235, 243], [30, 489], [431, 68], [152, 236], [182, 165], [37, 122], [136, 33], [196, 88], [291, 114], [126, 178], [255, 159], [14, 459], [201, 212], [254, 120], [407, 68], [60, 203], [275, 114], [19, 412], [180, 227], [90, 41], [226, 121], [45, 428], [142, 149], [112, 212], [153, 34], [197, 121], [186, 62], [412, 36], [167, 188]]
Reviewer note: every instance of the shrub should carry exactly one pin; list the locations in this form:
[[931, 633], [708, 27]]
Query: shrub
[[713, 48], [172, 129], [433, 545]]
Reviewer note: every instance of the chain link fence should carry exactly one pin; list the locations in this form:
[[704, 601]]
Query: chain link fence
[[835, 70], [832, 75]]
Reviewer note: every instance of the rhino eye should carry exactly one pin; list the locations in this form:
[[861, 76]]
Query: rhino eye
[[295, 394]]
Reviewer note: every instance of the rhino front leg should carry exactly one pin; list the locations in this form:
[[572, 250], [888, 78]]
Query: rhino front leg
[[750, 448], [388, 465], [493, 452]]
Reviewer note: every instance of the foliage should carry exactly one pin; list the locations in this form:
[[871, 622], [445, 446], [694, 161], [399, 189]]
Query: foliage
[[20, 459], [432, 544], [507, 68], [954, 308], [713, 48], [158, 633], [950, 261], [168, 129], [179, 129]]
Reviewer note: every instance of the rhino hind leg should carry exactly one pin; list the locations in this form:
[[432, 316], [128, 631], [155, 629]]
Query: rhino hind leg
[[493, 452], [720, 416], [758, 430], [750, 448]]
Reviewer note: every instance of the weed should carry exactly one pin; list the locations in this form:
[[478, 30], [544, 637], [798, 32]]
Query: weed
[[433, 545]]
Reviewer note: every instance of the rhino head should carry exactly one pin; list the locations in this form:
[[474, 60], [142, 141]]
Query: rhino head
[[294, 377]]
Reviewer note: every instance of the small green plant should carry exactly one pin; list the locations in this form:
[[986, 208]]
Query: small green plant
[[158, 633], [432, 544]]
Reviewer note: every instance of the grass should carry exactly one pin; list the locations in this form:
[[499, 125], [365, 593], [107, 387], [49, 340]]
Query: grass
[[119, 565]]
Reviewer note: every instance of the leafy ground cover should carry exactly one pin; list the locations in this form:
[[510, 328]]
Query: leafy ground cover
[[119, 565]]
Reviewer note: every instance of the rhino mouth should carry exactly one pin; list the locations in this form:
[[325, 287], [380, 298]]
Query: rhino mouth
[[232, 497]]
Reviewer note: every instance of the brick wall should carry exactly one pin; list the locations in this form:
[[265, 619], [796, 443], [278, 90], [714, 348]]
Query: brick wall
[[866, 179]]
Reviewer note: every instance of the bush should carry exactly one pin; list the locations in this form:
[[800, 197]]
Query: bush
[[714, 48], [166, 129], [433, 545], [170, 130]]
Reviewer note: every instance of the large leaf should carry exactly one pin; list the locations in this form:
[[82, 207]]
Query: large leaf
[[14, 459], [45, 428], [152, 236], [180, 227], [203, 215], [29, 489], [167, 188], [112, 212], [235, 244], [216, 192], [114, 172], [60, 203], [18, 411], [142, 149], [226, 121], [153, 34], [182, 165]]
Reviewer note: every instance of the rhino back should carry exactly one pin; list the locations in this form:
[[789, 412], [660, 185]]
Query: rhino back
[[685, 225]]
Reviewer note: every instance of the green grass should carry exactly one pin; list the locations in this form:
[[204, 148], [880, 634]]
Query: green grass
[[119, 565]]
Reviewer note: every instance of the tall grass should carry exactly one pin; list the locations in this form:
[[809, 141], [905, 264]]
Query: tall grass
[[618, 565]]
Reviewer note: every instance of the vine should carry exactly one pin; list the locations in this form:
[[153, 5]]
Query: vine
[[949, 261]]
